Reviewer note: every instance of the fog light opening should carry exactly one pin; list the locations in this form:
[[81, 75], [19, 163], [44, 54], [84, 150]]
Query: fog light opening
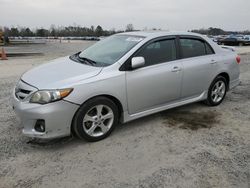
[[40, 126]]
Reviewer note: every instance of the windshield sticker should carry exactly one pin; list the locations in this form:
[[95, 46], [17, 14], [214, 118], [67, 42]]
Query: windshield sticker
[[134, 39]]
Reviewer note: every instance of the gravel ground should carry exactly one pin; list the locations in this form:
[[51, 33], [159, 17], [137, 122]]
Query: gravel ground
[[191, 146]]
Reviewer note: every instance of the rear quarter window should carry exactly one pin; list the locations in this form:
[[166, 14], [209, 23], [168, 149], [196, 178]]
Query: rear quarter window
[[209, 49]]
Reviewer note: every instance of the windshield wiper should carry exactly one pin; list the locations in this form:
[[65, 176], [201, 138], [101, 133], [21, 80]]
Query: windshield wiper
[[92, 62], [89, 61], [76, 57]]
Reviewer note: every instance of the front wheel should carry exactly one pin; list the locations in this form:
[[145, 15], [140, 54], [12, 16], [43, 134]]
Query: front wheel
[[96, 119], [217, 91]]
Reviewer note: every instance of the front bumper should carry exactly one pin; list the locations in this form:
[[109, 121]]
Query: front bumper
[[57, 116]]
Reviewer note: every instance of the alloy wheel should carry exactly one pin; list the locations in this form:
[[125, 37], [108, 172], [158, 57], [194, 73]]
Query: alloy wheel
[[98, 120], [218, 91]]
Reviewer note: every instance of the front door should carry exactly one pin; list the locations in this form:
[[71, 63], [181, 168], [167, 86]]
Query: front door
[[159, 81]]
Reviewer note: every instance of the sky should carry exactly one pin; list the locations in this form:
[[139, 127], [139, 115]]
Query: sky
[[164, 14]]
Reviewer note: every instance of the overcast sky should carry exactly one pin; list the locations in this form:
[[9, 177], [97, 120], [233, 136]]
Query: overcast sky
[[164, 14]]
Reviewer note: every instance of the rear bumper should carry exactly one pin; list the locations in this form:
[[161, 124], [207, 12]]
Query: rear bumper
[[57, 116]]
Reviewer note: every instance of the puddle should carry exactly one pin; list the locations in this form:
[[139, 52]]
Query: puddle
[[190, 120]]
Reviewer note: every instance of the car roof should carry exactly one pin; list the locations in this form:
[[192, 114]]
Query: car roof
[[153, 34]]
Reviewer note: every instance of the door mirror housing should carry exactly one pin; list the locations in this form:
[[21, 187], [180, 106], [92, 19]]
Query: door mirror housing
[[137, 62]]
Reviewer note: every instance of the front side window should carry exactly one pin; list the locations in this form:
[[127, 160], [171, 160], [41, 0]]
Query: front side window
[[111, 49], [192, 48], [159, 52]]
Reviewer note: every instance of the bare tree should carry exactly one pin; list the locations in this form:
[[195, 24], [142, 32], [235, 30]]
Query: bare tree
[[129, 27]]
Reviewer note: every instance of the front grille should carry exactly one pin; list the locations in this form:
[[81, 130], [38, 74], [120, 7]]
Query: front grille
[[23, 90]]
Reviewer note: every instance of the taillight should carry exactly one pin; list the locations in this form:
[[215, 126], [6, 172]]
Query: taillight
[[238, 59]]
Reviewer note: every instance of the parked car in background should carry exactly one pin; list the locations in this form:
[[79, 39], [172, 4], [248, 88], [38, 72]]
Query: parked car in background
[[122, 78], [233, 41], [247, 37], [239, 36], [213, 38]]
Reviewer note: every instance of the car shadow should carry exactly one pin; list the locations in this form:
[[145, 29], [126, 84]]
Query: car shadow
[[191, 116], [57, 143]]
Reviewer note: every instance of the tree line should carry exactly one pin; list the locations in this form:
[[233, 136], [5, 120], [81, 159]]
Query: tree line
[[218, 31], [79, 31], [75, 31]]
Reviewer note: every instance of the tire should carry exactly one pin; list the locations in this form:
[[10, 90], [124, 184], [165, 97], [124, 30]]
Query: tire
[[95, 119], [217, 91]]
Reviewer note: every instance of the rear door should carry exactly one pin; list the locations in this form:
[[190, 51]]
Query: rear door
[[199, 62]]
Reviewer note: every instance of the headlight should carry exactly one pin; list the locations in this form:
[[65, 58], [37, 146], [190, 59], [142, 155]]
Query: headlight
[[47, 96]]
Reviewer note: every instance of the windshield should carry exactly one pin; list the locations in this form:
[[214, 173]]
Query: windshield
[[111, 49]]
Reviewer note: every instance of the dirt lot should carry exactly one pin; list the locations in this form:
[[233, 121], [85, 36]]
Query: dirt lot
[[191, 146]]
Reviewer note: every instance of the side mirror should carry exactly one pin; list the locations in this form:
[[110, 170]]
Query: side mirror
[[137, 62]]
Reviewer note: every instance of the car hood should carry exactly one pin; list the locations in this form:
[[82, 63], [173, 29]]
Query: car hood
[[59, 73]]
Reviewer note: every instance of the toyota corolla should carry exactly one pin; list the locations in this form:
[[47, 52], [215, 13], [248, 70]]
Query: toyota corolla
[[122, 78]]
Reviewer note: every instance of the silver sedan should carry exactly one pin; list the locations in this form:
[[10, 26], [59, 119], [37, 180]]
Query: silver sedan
[[122, 78]]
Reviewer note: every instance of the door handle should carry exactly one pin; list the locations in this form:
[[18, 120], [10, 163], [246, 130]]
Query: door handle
[[176, 69], [213, 62]]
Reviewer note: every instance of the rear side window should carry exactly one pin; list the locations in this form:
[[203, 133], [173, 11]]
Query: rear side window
[[159, 52], [192, 48]]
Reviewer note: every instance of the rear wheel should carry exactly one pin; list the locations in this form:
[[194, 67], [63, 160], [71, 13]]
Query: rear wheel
[[96, 119], [217, 91]]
